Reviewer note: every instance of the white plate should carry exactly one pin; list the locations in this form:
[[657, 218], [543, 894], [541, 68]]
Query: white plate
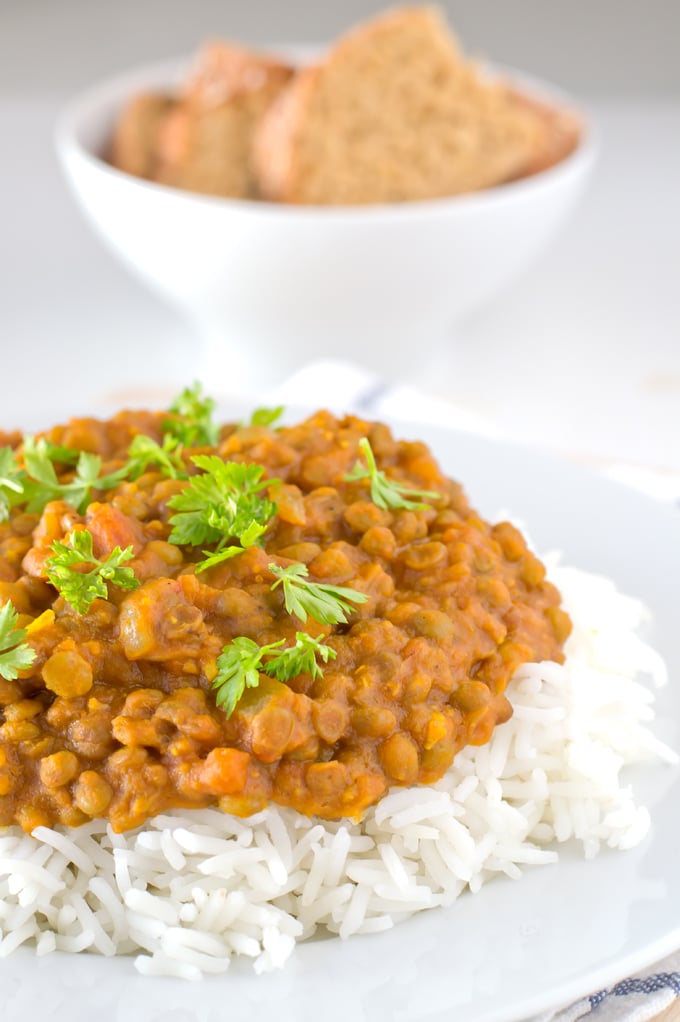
[[517, 947]]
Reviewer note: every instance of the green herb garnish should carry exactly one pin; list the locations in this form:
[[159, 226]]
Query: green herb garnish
[[266, 416], [241, 662], [223, 505], [300, 658], [219, 556], [15, 654], [60, 454], [11, 482], [81, 588], [387, 493], [167, 458], [329, 605], [192, 423], [41, 484]]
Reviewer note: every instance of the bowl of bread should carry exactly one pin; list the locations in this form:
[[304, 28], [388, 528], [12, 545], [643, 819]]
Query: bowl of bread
[[357, 204]]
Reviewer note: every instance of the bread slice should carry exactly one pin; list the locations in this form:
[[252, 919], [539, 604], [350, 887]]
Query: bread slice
[[204, 143], [559, 133], [393, 113], [134, 142]]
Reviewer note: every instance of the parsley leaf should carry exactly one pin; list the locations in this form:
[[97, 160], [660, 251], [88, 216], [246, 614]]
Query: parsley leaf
[[329, 605], [238, 667], [81, 588], [11, 482], [43, 486], [300, 658], [266, 416], [225, 503], [60, 454], [78, 491], [38, 460], [191, 419], [15, 654], [242, 661], [387, 493], [167, 458], [219, 556]]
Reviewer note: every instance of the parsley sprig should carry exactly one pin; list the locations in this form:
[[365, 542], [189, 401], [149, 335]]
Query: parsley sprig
[[65, 570], [29, 479], [15, 654], [37, 483], [329, 605], [387, 493], [191, 421], [242, 661], [60, 454], [11, 482], [266, 416], [167, 458], [224, 505], [41, 483]]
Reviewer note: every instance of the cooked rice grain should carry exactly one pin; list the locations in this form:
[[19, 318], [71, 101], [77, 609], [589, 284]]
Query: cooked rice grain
[[193, 890]]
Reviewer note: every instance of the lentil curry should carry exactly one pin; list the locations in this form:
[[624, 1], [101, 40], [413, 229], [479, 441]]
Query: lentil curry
[[116, 716]]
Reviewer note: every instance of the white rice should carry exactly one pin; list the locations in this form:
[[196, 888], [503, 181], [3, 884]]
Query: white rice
[[191, 891]]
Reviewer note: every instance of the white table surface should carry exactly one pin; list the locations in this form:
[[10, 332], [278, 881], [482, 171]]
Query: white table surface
[[582, 355]]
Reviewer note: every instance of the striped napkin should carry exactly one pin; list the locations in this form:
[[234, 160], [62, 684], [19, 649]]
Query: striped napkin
[[346, 387], [639, 998]]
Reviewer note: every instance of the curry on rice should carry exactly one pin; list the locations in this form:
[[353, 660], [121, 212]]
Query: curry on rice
[[118, 714]]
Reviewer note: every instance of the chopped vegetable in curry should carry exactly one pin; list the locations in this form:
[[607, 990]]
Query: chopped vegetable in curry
[[194, 615]]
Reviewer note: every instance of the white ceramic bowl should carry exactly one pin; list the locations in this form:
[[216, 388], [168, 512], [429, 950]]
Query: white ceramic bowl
[[271, 286]]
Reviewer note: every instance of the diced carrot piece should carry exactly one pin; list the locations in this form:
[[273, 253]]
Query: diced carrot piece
[[225, 771], [111, 528]]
